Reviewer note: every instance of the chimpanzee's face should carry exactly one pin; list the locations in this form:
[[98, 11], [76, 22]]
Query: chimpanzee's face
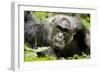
[[63, 33]]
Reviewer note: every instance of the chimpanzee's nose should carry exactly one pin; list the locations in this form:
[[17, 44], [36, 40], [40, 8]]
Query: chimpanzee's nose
[[60, 35]]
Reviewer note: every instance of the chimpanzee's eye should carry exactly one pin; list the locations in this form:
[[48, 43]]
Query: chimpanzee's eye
[[58, 27], [65, 30], [62, 29]]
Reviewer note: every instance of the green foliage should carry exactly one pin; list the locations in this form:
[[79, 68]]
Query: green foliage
[[31, 54], [76, 56], [40, 16], [85, 20]]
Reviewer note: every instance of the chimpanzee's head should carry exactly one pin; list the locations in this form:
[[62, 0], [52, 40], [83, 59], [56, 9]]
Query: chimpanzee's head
[[63, 30]]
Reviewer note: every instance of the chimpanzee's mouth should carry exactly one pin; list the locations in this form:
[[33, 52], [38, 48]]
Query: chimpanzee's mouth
[[59, 45]]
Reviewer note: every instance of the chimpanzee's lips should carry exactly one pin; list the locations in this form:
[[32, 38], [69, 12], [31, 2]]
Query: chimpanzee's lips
[[59, 45]]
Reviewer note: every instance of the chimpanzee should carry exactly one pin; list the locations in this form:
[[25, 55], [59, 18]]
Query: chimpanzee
[[66, 35]]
